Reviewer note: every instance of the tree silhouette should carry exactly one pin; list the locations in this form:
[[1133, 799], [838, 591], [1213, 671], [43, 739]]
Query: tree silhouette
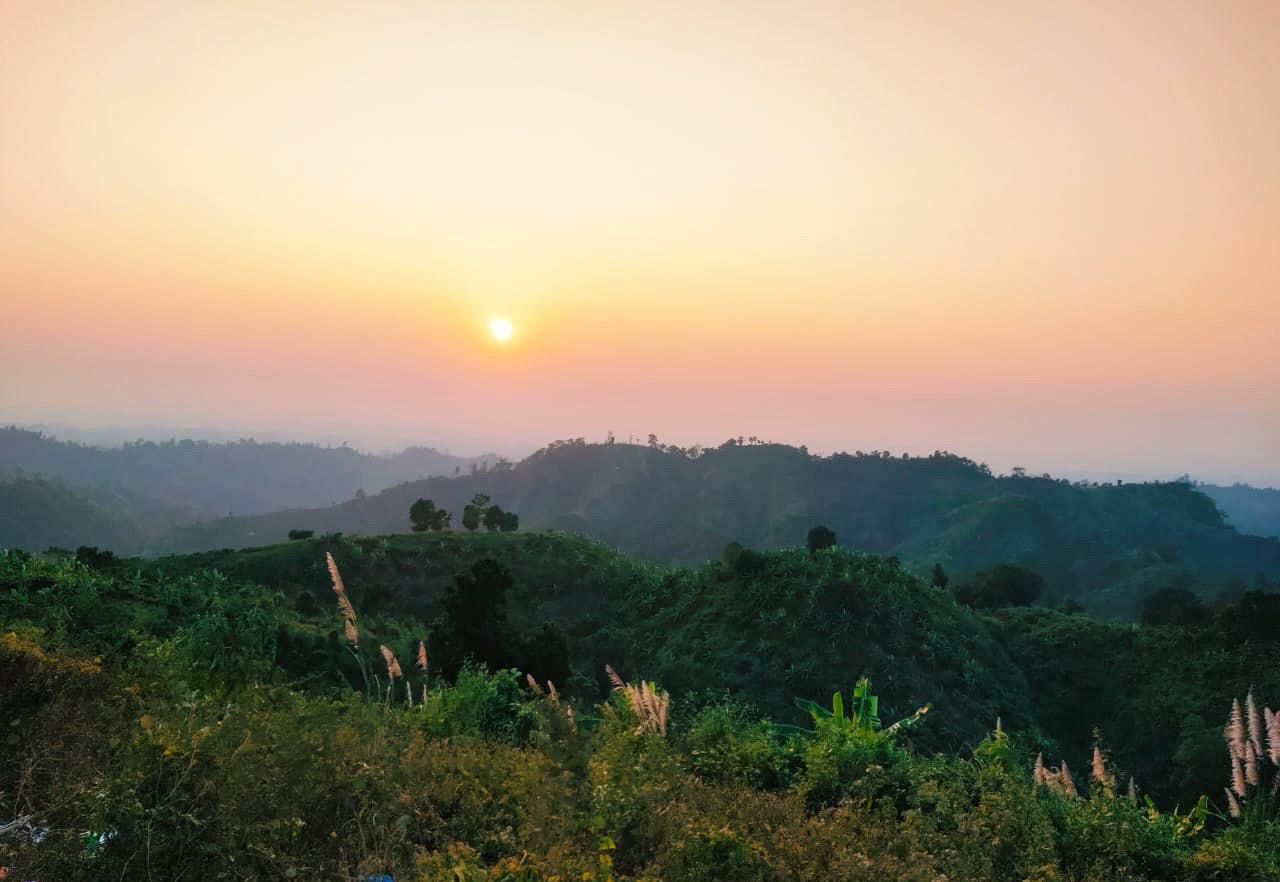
[[474, 512], [820, 537], [940, 578], [474, 625], [424, 516], [1002, 585]]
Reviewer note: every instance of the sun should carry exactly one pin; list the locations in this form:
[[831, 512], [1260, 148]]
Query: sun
[[500, 329]]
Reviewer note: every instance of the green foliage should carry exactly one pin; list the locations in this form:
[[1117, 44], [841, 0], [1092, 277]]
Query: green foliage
[[474, 512], [939, 578], [1106, 545], [424, 515], [726, 743], [476, 703], [214, 740], [1000, 586], [1175, 607], [232, 639], [819, 538], [851, 754]]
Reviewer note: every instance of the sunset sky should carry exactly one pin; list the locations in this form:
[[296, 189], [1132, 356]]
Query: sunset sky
[[1044, 234]]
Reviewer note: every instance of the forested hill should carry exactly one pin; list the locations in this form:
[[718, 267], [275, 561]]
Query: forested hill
[[38, 512], [219, 716], [212, 479], [1107, 544]]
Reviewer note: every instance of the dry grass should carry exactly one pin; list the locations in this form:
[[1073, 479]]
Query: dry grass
[[393, 666], [344, 605], [649, 703], [1252, 736]]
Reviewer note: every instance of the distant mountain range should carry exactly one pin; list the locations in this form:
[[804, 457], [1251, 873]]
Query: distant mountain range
[[207, 479], [1253, 510]]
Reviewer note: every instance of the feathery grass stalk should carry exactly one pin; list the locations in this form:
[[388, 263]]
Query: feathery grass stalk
[[350, 631], [393, 669], [1233, 806], [1068, 783], [1234, 731], [1252, 739], [1254, 721], [1273, 737], [1099, 774], [650, 704]]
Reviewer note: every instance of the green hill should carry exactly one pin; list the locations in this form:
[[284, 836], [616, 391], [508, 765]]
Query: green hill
[[775, 626], [685, 506], [204, 715], [39, 512]]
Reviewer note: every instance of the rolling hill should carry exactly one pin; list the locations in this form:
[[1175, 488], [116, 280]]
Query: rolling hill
[[1108, 545], [765, 627]]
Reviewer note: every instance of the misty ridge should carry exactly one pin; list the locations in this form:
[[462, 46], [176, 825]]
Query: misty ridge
[[203, 479]]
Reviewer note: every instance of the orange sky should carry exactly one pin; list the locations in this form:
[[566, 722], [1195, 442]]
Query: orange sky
[[1035, 233]]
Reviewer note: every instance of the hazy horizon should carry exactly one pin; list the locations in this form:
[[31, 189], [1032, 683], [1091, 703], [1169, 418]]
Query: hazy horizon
[[367, 442], [1031, 234]]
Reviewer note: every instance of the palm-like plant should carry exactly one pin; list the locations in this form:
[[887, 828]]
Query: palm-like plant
[[863, 717]]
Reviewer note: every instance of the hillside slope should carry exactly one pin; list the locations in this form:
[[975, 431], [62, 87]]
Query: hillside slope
[[776, 626], [773, 626], [38, 512], [216, 727], [669, 506]]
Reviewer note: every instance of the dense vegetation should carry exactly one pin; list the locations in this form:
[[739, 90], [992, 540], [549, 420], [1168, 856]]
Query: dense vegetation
[[1108, 546], [209, 717], [37, 512]]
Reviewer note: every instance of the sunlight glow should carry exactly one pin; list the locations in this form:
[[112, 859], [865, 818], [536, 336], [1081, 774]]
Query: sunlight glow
[[500, 329]]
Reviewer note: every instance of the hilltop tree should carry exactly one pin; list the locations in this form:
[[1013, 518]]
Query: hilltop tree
[[424, 516], [474, 512], [497, 519], [940, 578], [481, 512], [492, 516], [820, 537], [1003, 585]]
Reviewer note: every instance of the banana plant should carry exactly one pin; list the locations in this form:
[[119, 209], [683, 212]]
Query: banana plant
[[864, 713]]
